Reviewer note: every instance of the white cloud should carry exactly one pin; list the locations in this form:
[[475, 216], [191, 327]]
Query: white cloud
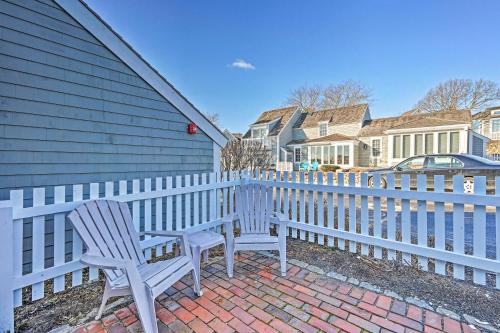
[[242, 64]]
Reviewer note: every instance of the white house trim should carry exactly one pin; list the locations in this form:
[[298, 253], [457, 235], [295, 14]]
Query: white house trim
[[217, 152], [103, 32], [428, 129]]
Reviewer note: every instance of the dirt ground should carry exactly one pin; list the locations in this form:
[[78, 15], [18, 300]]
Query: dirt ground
[[76, 304]]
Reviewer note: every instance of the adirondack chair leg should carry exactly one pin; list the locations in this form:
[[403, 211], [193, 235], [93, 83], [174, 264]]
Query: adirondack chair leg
[[144, 302], [105, 298], [282, 247], [196, 282], [229, 253], [205, 256], [197, 264]]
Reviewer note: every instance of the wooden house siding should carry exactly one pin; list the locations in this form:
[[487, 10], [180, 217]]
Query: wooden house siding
[[72, 112]]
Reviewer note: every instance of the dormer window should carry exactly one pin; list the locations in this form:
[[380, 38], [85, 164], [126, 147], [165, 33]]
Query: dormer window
[[323, 129], [259, 132]]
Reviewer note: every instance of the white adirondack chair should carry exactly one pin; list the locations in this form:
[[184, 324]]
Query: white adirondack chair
[[113, 245], [255, 212]]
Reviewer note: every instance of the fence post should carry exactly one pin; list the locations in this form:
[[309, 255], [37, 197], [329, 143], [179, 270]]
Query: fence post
[[6, 271]]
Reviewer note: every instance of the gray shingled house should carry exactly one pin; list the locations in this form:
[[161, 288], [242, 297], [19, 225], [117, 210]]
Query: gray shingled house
[[79, 105]]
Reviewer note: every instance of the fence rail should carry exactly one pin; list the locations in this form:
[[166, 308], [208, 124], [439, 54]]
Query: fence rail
[[443, 231]]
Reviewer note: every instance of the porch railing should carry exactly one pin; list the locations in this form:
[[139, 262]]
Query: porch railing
[[443, 231]]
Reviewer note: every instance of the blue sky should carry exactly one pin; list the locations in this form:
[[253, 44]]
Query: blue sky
[[399, 49]]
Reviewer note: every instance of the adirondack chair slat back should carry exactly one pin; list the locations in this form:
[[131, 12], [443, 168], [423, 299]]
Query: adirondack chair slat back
[[254, 208], [106, 228]]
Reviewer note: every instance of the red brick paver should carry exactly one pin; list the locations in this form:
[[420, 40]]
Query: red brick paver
[[258, 299]]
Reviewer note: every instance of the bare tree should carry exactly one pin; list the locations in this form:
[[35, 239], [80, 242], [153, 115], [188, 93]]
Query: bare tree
[[305, 97], [457, 94], [213, 118], [347, 93], [245, 155]]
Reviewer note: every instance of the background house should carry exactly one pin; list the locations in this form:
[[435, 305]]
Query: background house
[[79, 105], [348, 137], [487, 123], [273, 129]]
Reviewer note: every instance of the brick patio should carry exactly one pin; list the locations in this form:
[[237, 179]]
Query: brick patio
[[257, 299]]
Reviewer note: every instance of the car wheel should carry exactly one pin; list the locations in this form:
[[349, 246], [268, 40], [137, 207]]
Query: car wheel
[[469, 185]]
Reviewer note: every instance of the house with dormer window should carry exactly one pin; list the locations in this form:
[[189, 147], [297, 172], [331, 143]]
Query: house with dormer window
[[487, 123], [348, 136]]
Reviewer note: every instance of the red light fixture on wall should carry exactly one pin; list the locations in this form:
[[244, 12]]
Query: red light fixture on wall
[[192, 128]]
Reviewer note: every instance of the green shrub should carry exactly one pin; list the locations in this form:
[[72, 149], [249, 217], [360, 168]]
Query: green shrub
[[329, 167]]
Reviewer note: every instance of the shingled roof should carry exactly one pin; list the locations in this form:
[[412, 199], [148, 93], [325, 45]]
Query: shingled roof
[[337, 116], [486, 114], [379, 126], [283, 114]]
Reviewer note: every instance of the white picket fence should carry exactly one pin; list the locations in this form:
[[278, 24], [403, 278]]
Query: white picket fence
[[334, 210]]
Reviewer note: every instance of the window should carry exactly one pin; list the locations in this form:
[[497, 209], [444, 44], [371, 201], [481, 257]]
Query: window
[[304, 156], [346, 154], [419, 144], [443, 162], [429, 143], [323, 129], [298, 155], [406, 146], [495, 125], [339, 155], [258, 133], [332, 154], [326, 154], [476, 126], [376, 148], [396, 146], [412, 164], [316, 154], [442, 143], [454, 142]]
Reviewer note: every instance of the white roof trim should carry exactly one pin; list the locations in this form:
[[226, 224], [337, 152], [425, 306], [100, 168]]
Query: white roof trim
[[100, 30], [462, 126]]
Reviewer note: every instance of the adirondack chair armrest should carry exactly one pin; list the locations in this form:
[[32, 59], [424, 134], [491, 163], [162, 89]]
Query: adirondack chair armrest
[[102, 262], [280, 219], [163, 233]]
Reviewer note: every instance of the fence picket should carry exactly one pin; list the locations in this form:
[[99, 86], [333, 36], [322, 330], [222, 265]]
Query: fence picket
[[178, 204], [286, 199], [38, 238], [497, 225], [377, 217], [169, 211], [302, 208], [204, 194], [278, 191], [439, 225], [77, 244], [212, 203], [17, 199], [294, 205], [218, 196], [479, 233], [320, 217], [341, 213], [59, 237], [94, 194], [391, 217], [458, 227], [224, 196], [364, 213], [405, 218], [196, 201], [330, 209], [310, 206], [187, 203], [422, 220], [159, 213], [147, 215]]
